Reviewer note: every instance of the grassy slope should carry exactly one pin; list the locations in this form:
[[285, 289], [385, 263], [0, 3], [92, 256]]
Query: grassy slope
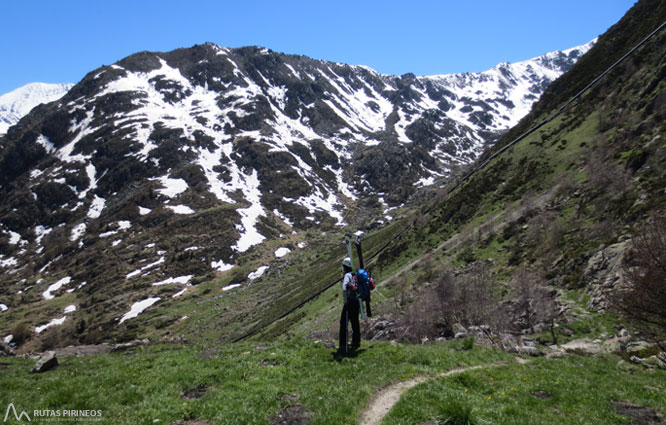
[[244, 383], [247, 383], [565, 391]]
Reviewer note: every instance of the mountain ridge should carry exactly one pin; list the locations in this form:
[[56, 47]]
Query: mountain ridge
[[258, 148], [19, 102]]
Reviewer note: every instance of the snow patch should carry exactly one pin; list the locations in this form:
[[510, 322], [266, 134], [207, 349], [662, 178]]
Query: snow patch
[[179, 293], [14, 238], [70, 309], [258, 273], [250, 236], [283, 218], [122, 225], [426, 181], [96, 207], [46, 144], [232, 286], [144, 268], [281, 252], [9, 262], [77, 232], [182, 280], [138, 308], [144, 211], [3, 307], [221, 266], [48, 294], [172, 187], [181, 209], [54, 322], [40, 232]]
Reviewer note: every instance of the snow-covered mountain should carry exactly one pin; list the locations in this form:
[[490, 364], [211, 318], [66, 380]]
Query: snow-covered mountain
[[17, 103], [171, 167]]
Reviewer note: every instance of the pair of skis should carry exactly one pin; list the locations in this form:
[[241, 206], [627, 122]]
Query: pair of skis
[[359, 251]]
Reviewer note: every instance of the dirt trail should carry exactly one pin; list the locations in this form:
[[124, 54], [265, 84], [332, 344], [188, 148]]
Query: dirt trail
[[382, 403]]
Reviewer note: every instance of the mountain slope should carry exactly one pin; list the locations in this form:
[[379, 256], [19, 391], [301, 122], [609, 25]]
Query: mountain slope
[[552, 215], [17, 103], [106, 191]]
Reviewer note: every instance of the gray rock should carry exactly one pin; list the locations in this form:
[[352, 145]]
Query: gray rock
[[615, 345], [129, 345], [528, 350], [458, 328], [6, 350], [46, 362], [602, 274], [654, 362], [639, 346], [583, 347]]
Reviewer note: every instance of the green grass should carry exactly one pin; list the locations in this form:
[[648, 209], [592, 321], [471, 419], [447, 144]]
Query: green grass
[[573, 390], [243, 383]]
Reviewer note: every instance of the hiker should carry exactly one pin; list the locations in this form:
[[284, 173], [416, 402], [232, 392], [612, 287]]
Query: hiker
[[350, 311]]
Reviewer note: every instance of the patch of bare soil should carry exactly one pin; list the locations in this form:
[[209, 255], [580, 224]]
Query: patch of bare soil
[[195, 393], [641, 415], [292, 415], [542, 395]]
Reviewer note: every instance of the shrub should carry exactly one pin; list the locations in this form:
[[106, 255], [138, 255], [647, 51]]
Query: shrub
[[21, 333]]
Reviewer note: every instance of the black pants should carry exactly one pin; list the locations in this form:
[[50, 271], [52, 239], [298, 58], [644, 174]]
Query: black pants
[[350, 313]]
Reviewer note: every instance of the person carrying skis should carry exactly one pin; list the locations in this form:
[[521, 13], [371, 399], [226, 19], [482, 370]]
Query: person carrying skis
[[350, 311]]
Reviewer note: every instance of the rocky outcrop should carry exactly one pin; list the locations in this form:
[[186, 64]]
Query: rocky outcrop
[[602, 274], [583, 347]]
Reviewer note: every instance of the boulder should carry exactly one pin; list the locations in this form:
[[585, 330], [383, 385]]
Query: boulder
[[6, 350], [615, 345], [654, 362], [639, 347], [46, 362], [129, 345], [583, 347], [457, 328]]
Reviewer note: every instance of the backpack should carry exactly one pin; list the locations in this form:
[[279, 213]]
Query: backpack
[[364, 283]]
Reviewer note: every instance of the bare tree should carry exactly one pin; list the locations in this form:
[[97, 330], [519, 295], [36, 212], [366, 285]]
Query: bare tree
[[642, 297], [471, 298], [533, 302]]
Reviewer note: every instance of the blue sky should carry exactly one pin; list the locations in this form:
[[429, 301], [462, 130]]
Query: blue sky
[[60, 41]]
